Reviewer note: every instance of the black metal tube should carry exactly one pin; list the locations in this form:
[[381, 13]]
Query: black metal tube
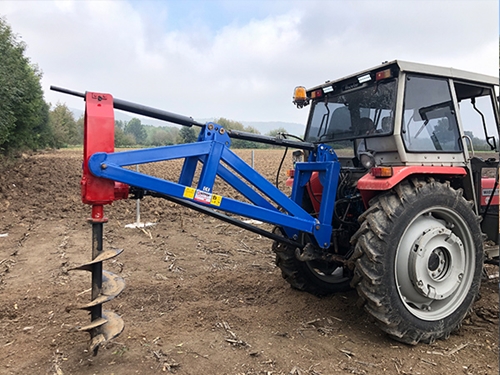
[[188, 121], [97, 230], [275, 141], [154, 113], [140, 109], [69, 92]]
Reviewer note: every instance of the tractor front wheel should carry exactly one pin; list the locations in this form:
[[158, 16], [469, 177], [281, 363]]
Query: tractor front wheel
[[419, 257]]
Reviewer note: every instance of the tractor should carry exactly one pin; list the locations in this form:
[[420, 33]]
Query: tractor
[[413, 207], [388, 194]]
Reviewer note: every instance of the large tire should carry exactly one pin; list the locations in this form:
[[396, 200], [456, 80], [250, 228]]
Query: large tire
[[315, 277], [419, 258]]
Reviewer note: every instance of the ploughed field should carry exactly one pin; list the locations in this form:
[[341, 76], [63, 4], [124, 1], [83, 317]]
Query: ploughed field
[[202, 297]]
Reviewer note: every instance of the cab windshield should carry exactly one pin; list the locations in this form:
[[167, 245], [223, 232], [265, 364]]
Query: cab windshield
[[367, 111]]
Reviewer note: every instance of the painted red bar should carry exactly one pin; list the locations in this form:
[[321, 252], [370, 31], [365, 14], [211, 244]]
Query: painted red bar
[[99, 136]]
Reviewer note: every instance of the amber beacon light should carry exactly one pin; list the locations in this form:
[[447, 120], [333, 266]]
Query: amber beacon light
[[300, 98]]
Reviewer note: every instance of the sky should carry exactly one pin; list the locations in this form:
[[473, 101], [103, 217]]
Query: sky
[[241, 59]]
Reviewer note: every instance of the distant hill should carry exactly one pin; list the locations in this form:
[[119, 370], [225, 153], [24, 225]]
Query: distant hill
[[263, 127], [266, 126]]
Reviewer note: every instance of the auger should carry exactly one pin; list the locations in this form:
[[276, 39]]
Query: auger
[[97, 192]]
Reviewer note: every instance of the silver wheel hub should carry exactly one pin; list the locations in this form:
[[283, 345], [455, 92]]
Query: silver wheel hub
[[437, 263]]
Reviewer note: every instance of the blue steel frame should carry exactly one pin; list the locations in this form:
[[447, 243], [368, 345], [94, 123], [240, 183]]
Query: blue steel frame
[[268, 203]]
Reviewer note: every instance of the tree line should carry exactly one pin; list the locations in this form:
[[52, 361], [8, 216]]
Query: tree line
[[69, 132], [27, 122], [24, 115]]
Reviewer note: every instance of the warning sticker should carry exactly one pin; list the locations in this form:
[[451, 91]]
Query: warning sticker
[[202, 196], [216, 200], [189, 193]]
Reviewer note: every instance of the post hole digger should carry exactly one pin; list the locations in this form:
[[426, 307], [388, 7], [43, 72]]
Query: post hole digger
[[400, 216]]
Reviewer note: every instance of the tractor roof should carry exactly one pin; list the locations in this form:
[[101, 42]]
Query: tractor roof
[[412, 67]]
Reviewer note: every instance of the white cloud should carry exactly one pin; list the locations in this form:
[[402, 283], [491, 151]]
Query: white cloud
[[244, 70]]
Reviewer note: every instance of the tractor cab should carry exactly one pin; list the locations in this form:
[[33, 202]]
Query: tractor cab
[[401, 119]]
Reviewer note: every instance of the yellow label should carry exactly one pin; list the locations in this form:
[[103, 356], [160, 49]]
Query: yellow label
[[189, 193], [216, 200]]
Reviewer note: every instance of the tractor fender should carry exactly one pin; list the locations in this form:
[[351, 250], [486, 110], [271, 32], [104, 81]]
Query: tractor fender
[[369, 186]]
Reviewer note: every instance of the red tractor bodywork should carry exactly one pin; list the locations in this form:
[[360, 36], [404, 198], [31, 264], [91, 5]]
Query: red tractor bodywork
[[369, 186], [487, 185]]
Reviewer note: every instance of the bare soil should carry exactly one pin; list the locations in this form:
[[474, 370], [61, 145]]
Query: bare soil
[[202, 297]]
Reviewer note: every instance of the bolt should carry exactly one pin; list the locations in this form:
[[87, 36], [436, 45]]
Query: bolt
[[460, 277], [222, 131], [210, 126], [325, 244], [317, 227], [420, 283], [104, 166]]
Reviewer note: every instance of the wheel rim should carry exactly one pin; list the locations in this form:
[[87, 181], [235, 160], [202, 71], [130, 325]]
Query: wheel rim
[[435, 263], [332, 273]]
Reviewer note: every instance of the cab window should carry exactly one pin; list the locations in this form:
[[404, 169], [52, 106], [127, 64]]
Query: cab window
[[477, 113], [429, 117]]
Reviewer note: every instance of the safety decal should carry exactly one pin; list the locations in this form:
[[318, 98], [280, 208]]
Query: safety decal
[[216, 200], [189, 193], [202, 196]]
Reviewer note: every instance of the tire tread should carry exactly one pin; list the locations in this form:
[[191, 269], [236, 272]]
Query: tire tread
[[371, 243]]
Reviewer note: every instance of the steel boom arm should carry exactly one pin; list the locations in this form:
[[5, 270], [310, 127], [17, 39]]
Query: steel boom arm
[[104, 172], [217, 160]]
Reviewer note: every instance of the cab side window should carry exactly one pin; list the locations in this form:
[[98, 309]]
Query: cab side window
[[429, 117], [478, 115]]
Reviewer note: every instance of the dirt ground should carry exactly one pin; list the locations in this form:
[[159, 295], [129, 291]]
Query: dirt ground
[[202, 297]]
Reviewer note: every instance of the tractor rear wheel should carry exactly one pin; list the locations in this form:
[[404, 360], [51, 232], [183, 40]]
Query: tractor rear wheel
[[316, 277], [419, 258]]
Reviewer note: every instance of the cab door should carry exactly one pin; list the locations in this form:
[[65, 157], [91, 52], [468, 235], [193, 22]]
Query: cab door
[[478, 116]]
